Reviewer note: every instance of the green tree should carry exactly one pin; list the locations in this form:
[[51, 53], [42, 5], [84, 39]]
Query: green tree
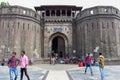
[[4, 4]]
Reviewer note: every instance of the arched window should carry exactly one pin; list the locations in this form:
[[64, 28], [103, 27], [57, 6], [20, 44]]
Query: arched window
[[47, 13], [53, 13], [63, 13], [58, 13], [68, 12]]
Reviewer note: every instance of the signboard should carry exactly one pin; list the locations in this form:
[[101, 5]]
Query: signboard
[[57, 29]]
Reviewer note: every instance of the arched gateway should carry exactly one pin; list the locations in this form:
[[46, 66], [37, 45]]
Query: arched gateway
[[57, 29], [58, 43]]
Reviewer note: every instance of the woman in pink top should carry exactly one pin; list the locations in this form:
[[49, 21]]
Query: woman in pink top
[[24, 63]]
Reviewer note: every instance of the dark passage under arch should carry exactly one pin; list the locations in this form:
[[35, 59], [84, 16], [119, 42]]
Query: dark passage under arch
[[58, 46]]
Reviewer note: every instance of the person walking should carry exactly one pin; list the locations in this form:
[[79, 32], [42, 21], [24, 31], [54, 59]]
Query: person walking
[[13, 62], [101, 65], [88, 60], [24, 63]]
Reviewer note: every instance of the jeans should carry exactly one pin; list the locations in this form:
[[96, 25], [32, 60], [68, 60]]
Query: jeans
[[13, 71], [25, 71], [102, 73], [90, 66]]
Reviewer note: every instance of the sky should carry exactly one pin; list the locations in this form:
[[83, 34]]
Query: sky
[[80, 3]]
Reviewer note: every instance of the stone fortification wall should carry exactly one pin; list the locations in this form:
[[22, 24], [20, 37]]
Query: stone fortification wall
[[99, 26], [19, 30]]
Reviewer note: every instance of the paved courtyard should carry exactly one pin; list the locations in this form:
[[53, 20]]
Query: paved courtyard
[[63, 72], [35, 73]]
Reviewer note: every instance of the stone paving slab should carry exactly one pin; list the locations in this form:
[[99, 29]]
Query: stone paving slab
[[57, 75], [58, 72], [34, 73], [111, 73]]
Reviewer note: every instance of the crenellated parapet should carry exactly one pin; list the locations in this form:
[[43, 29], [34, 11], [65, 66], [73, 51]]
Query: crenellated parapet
[[99, 11], [18, 11]]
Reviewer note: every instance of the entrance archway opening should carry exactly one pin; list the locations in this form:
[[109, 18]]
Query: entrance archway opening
[[58, 46]]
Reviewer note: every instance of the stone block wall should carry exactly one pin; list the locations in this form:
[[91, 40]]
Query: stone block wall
[[99, 26], [19, 30]]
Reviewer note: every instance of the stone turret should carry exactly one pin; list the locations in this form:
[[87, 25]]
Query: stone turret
[[19, 30], [99, 26]]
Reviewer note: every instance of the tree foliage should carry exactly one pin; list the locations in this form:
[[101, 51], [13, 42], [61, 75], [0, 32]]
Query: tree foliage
[[4, 4]]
